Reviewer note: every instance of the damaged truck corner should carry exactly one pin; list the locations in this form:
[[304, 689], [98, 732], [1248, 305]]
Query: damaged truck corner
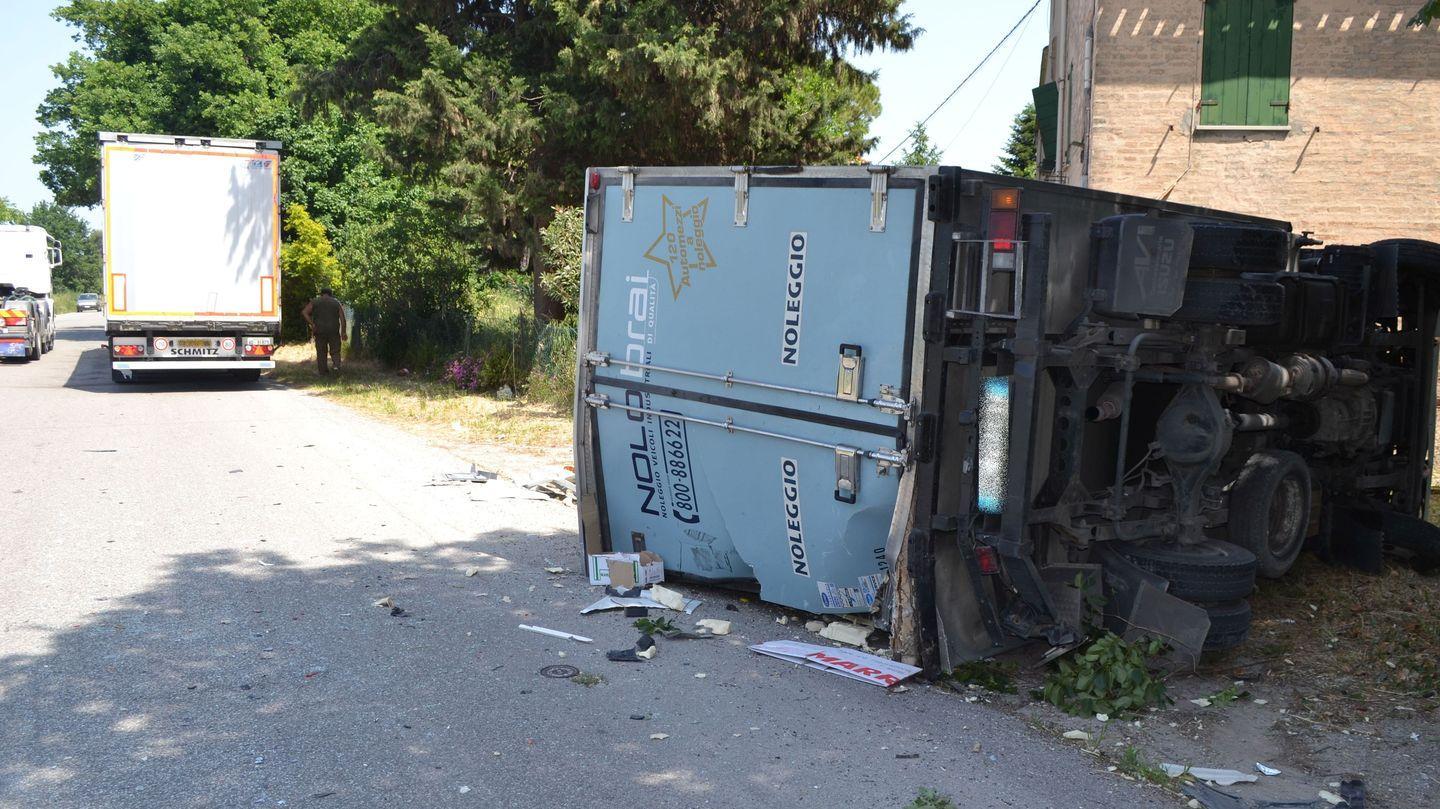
[[989, 410]]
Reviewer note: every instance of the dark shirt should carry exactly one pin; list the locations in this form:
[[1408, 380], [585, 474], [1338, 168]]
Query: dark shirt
[[326, 313]]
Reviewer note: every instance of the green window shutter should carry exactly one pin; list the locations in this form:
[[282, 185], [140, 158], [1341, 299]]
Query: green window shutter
[[1047, 122], [1245, 63]]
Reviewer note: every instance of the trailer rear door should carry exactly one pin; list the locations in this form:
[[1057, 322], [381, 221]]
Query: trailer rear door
[[745, 349]]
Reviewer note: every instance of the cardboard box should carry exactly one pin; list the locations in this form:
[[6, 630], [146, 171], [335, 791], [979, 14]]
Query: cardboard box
[[626, 569]]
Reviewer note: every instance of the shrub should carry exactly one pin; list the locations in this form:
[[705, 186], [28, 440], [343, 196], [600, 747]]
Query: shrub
[[1108, 675]]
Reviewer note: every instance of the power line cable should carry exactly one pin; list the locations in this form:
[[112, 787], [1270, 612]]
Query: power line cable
[[994, 81], [967, 78]]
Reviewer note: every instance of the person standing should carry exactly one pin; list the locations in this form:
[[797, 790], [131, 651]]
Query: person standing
[[326, 317]]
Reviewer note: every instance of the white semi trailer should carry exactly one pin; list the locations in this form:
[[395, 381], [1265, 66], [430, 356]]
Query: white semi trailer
[[192, 254]]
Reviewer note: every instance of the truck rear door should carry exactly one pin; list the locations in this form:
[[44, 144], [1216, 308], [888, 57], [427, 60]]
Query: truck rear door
[[745, 346]]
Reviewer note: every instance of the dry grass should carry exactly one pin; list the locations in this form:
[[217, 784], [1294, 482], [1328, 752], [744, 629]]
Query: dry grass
[[1339, 635], [431, 408]]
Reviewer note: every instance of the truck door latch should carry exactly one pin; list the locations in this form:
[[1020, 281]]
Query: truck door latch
[[847, 473], [879, 197], [627, 189], [852, 366], [742, 195]]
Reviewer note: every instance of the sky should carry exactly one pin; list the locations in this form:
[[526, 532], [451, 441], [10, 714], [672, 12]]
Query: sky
[[971, 128]]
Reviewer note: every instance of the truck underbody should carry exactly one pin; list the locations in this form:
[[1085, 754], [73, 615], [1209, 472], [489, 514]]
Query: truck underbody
[[239, 349]]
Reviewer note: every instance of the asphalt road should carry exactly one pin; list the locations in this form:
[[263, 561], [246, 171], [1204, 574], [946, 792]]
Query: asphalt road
[[186, 619]]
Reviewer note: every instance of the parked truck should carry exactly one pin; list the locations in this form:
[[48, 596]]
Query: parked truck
[[977, 406], [192, 254], [28, 258]]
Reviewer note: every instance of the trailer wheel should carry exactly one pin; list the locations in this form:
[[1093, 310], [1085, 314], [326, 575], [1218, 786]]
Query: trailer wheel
[[1270, 509], [34, 354], [1229, 625], [1209, 571], [1239, 248]]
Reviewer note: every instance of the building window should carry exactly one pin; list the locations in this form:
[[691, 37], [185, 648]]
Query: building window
[[1245, 63]]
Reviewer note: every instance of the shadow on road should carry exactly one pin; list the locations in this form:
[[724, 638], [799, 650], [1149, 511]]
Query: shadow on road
[[243, 677]]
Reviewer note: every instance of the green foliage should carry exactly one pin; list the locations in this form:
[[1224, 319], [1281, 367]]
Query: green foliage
[[560, 257], [1135, 765], [1427, 14], [307, 265], [991, 675], [921, 152], [1108, 675], [9, 214], [1018, 159], [655, 626], [931, 799], [1227, 695]]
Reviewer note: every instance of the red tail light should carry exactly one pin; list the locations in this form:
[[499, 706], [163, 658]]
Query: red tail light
[[129, 351], [987, 559], [15, 321], [259, 350], [1004, 222]]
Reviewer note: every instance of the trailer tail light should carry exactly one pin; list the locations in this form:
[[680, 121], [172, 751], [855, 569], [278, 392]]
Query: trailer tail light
[[594, 180], [993, 421], [987, 559], [259, 347], [1004, 223], [129, 351]]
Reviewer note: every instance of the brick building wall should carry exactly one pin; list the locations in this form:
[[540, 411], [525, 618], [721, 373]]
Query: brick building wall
[[1360, 159]]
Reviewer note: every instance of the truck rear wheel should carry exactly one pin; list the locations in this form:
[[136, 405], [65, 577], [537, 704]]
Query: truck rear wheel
[[1229, 625], [1206, 572], [1270, 510]]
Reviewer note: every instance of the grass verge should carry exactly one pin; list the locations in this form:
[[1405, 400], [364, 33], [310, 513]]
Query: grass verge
[[430, 407]]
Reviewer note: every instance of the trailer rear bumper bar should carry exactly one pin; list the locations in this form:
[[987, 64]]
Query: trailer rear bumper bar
[[193, 365]]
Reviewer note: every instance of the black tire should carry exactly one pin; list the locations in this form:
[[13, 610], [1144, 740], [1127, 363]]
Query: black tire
[[34, 354], [1240, 248], [1205, 572], [1270, 510], [1229, 625]]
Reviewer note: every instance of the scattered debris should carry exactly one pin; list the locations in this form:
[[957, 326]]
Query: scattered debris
[[715, 625], [907, 755], [1076, 735], [814, 626], [669, 598], [475, 475], [559, 672], [637, 612], [396, 612], [1203, 702], [639, 717], [846, 632], [783, 620], [701, 675], [587, 679], [643, 601], [648, 654], [732, 608], [1352, 791], [1331, 798], [556, 570], [866, 668], [1211, 798], [472, 571], [659, 737], [623, 656], [555, 633], [1264, 770], [558, 484], [386, 602], [626, 569], [1215, 776], [464, 789]]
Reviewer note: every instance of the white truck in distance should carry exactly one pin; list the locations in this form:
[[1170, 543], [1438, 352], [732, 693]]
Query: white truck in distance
[[192, 254], [28, 255]]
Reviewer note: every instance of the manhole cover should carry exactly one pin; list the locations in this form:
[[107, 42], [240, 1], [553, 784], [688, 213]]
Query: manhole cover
[[559, 672]]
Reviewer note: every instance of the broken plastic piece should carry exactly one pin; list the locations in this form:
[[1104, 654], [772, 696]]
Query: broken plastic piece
[[647, 653], [659, 737], [643, 601], [637, 612], [622, 656], [1215, 776], [555, 633], [1076, 735], [715, 625], [1264, 770]]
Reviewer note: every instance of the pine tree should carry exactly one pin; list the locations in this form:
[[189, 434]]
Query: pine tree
[[921, 152], [1018, 159]]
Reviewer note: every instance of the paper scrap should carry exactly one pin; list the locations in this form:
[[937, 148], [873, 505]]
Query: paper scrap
[[616, 602]]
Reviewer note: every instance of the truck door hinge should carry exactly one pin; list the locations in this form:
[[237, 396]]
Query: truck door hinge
[[742, 195], [852, 366], [597, 358], [627, 189], [847, 474], [879, 197]]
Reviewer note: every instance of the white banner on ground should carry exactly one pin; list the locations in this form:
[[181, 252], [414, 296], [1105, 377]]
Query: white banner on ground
[[856, 665]]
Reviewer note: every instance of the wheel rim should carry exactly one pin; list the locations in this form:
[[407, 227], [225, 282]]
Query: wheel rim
[[1286, 519]]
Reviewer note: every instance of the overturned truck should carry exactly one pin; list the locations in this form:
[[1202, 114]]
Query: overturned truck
[[979, 407]]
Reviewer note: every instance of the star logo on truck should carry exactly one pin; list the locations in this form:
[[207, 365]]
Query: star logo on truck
[[681, 244]]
